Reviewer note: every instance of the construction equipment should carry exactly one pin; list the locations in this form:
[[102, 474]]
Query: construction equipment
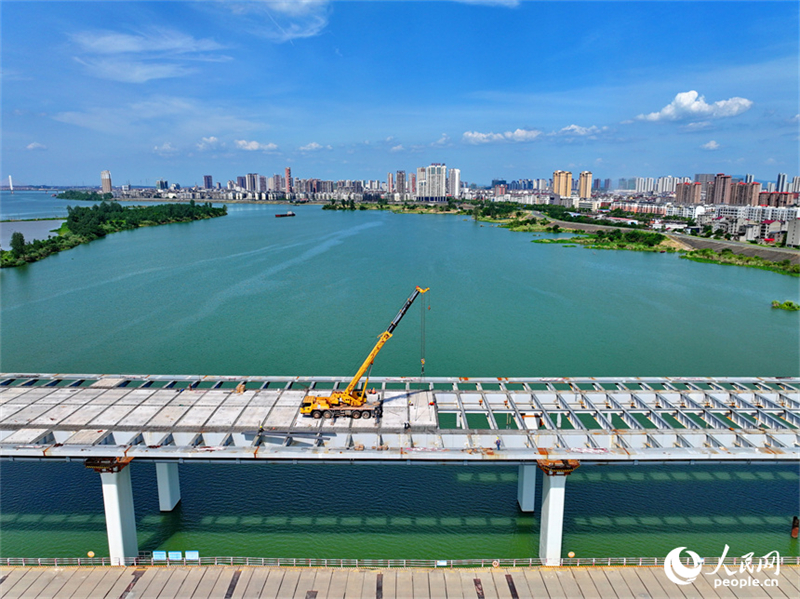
[[352, 401]]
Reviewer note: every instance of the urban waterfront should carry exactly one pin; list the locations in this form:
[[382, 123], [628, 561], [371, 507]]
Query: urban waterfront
[[251, 294]]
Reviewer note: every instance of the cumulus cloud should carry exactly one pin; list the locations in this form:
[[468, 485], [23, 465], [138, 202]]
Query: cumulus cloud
[[444, 139], [311, 147], [398, 148], [712, 145], [254, 145], [519, 135], [690, 105], [165, 149], [35, 146], [208, 143]]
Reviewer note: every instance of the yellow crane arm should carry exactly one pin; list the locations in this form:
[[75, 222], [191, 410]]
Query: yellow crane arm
[[382, 339]]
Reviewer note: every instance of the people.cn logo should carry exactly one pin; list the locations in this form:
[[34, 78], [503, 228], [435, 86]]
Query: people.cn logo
[[677, 572]]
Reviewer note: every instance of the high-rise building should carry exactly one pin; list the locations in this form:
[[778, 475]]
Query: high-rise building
[[781, 183], [666, 184], [414, 183], [796, 185], [748, 178], [607, 184], [241, 182], [645, 185], [400, 184], [389, 183], [722, 190], [208, 182], [562, 183], [251, 181], [288, 181], [585, 185], [433, 187], [454, 180], [688, 193], [105, 181], [262, 183], [162, 184], [745, 194]]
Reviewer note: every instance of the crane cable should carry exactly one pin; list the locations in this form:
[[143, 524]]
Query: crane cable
[[422, 331]]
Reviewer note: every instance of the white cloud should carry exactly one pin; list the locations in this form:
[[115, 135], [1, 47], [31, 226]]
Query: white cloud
[[254, 145], [311, 147], [398, 148], [690, 105], [519, 135], [444, 139], [712, 145], [165, 149], [141, 57], [35, 146], [576, 130], [698, 126], [282, 20], [208, 143], [160, 41]]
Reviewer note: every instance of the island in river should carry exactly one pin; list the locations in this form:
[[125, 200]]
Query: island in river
[[87, 224]]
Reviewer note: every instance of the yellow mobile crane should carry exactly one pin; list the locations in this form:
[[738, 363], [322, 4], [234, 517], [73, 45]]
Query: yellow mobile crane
[[352, 401]]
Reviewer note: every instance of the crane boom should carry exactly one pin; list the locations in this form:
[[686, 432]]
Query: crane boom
[[351, 397]]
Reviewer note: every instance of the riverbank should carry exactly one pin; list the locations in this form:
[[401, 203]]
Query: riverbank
[[87, 224], [726, 256]]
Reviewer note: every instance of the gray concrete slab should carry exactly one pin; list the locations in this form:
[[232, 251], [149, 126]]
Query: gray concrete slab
[[14, 586], [338, 584], [223, 582], [305, 584], [552, 581], [370, 583], [53, 589], [288, 584], [189, 584], [241, 585], [452, 582], [150, 587], [617, 582], [273, 584], [174, 583], [602, 583], [45, 576], [389, 584], [93, 578], [405, 584], [651, 583], [585, 584], [419, 584], [256, 583]]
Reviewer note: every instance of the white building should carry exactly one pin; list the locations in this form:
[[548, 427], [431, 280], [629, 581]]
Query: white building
[[454, 182]]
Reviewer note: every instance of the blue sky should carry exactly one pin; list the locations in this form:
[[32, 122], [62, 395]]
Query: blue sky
[[353, 90]]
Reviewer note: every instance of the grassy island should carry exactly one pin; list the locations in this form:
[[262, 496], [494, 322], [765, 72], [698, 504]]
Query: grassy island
[[84, 196], [787, 305], [726, 256], [87, 224], [635, 240]]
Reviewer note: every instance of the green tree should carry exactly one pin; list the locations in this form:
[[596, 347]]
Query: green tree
[[18, 244]]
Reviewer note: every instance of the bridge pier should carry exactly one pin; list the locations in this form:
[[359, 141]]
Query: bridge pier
[[552, 519], [169, 486], [526, 487], [115, 478]]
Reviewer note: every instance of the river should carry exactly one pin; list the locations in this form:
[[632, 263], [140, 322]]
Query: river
[[251, 294]]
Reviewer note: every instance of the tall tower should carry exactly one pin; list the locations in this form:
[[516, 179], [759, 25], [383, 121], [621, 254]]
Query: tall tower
[[389, 183], [208, 182], [585, 185], [722, 189], [400, 182], [781, 184], [455, 182], [288, 181], [105, 181], [562, 183]]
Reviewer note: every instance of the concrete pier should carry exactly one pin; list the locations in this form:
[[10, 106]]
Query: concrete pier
[[552, 521], [526, 487], [115, 477], [169, 487]]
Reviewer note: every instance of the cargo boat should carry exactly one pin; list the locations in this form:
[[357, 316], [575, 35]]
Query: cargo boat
[[290, 213]]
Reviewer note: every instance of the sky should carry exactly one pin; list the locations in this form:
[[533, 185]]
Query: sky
[[354, 90]]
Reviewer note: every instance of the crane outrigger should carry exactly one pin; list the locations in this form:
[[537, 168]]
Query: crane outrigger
[[352, 401]]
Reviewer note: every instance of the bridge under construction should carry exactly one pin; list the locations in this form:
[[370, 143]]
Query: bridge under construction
[[553, 425]]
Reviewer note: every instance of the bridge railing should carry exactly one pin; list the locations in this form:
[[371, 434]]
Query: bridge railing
[[292, 562]]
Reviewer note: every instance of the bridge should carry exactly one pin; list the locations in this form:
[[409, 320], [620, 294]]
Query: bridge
[[553, 425]]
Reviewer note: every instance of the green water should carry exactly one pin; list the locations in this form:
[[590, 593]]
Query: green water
[[252, 294]]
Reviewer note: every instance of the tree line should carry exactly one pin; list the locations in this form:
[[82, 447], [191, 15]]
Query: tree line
[[84, 224]]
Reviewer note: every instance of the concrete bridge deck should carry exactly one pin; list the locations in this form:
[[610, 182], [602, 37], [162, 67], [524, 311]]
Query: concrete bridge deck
[[233, 582], [434, 420]]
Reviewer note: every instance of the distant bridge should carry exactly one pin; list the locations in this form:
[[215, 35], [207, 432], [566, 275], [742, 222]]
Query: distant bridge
[[552, 424]]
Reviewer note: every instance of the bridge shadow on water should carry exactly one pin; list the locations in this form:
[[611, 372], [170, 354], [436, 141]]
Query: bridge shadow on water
[[323, 510]]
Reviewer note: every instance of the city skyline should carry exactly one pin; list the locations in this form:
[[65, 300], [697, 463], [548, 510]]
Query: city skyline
[[339, 90]]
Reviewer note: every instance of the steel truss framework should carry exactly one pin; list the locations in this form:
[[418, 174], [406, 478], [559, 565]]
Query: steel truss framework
[[431, 420]]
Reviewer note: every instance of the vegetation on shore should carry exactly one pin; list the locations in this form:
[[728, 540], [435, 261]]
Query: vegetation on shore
[[84, 196], [727, 256], [787, 305], [640, 241], [87, 224]]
